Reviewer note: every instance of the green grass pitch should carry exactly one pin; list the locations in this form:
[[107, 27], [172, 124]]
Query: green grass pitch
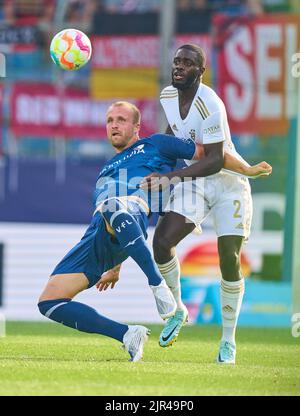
[[49, 359]]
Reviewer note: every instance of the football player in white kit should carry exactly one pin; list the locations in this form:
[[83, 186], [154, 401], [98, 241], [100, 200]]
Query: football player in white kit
[[194, 110]]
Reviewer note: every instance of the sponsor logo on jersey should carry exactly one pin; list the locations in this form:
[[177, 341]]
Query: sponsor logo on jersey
[[138, 149], [213, 129]]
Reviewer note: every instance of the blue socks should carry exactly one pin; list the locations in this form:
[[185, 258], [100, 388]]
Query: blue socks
[[82, 317], [131, 237]]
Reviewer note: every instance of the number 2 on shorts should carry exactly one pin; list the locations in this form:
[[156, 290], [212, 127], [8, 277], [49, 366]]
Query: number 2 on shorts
[[237, 204]]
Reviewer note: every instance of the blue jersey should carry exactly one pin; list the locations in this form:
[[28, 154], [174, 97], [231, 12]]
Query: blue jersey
[[97, 252], [122, 174]]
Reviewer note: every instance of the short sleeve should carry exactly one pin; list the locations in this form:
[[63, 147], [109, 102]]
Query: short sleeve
[[212, 129], [175, 147]]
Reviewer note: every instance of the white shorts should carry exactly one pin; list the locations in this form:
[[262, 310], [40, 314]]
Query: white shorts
[[226, 197]]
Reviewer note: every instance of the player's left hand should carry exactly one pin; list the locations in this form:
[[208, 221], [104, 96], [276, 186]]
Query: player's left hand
[[155, 182], [261, 169], [109, 278]]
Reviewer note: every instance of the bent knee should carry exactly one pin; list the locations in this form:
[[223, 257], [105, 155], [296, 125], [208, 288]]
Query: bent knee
[[230, 265], [161, 242], [163, 249], [46, 307], [52, 291]]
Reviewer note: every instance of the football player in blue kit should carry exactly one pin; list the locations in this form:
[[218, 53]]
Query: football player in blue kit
[[117, 230]]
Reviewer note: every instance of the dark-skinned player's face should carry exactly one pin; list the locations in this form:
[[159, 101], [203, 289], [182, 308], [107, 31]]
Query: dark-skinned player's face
[[186, 69]]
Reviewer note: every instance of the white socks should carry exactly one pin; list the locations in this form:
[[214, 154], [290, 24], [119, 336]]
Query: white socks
[[171, 273], [231, 297], [231, 301]]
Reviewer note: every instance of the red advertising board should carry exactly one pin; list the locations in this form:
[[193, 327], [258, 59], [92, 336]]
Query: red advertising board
[[255, 71], [1, 116], [138, 51], [44, 110]]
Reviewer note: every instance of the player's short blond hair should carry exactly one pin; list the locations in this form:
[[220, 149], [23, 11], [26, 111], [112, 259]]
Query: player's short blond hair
[[135, 111]]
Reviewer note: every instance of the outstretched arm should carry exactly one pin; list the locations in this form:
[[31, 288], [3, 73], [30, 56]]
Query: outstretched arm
[[236, 165], [210, 160], [157, 181], [239, 166]]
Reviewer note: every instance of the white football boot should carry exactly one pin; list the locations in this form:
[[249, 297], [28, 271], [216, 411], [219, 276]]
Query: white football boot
[[165, 302], [134, 341]]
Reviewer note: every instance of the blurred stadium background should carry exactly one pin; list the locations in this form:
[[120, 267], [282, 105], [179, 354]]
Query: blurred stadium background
[[53, 144]]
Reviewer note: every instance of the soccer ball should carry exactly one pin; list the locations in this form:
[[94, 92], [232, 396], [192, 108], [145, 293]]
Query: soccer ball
[[70, 49]]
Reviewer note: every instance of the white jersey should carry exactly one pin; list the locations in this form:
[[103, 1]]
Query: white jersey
[[206, 121]]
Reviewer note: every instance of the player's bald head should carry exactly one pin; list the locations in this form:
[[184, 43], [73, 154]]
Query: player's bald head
[[122, 124], [136, 114]]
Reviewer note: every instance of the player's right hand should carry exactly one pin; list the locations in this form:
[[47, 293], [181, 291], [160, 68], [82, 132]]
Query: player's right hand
[[261, 169], [109, 278], [155, 182]]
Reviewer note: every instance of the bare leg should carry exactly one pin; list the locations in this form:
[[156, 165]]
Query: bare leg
[[64, 286], [170, 231], [229, 247]]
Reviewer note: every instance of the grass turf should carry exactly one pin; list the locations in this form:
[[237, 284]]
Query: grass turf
[[49, 359]]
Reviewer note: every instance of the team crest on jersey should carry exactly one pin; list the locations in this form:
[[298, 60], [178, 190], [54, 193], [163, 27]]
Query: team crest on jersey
[[192, 134]]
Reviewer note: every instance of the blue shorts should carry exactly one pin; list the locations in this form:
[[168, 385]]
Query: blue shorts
[[98, 251]]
